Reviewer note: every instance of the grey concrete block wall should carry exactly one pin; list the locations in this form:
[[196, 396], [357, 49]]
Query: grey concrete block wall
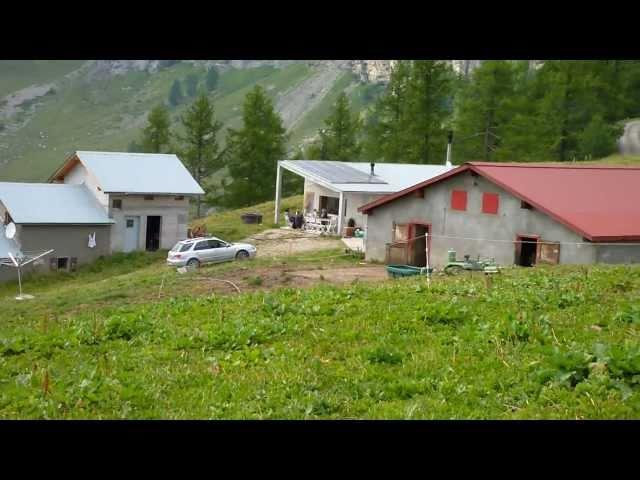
[[70, 241], [173, 225], [510, 221]]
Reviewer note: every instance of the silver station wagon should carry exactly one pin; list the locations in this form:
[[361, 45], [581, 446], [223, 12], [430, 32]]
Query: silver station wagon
[[197, 251]]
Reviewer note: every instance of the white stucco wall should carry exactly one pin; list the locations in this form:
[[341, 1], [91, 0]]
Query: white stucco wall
[[79, 174], [167, 207]]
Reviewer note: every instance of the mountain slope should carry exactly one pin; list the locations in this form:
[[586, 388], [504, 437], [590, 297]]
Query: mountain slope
[[50, 109]]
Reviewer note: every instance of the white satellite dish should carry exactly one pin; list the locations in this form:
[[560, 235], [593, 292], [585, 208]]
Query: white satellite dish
[[10, 230]]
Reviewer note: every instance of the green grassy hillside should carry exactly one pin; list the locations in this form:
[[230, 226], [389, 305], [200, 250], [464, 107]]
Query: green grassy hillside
[[108, 113], [128, 337], [18, 74], [552, 343]]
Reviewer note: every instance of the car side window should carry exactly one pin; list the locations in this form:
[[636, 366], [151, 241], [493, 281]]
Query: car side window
[[185, 247], [204, 245]]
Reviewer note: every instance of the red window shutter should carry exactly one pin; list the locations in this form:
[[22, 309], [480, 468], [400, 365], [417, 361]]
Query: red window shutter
[[459, 200], [490, 202]]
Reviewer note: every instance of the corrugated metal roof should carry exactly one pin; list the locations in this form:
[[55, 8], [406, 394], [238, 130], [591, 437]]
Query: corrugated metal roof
[[390, 177], [338, 172], [150, 173], [602, 203], [52, 203]]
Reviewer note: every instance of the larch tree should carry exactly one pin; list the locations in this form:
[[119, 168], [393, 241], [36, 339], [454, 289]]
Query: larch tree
[[485, 106], [254, 151], [339, 138], [429, 90], [386, 131], [201, 151], [156, 135]]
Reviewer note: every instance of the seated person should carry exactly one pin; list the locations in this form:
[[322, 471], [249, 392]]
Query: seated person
[[324, 214]]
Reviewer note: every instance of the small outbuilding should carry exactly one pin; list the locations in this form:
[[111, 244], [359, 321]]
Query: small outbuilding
[[520, 214]]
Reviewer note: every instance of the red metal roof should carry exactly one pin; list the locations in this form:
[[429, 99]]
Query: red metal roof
[[601, 203]]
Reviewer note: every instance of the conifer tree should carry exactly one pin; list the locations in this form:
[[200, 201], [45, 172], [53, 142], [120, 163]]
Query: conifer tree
[[156, 134], [201, 151], [339, 138], [254, 151]]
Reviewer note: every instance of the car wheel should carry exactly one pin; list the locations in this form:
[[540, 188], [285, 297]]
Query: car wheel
[[193, 262], [242, 255]]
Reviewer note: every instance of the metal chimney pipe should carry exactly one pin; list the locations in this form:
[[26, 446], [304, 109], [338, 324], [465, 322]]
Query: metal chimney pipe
[[448, 162], [372, 167]]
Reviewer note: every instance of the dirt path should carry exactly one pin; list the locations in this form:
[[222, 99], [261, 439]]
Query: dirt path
[[278, 242]]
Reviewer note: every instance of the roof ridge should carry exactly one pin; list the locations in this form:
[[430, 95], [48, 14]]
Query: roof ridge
[[42, 184], [125, 153], [555, 166]]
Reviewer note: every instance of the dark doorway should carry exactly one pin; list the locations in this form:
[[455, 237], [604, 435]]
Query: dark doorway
[[526, 251], [153, 233], [418, 248]]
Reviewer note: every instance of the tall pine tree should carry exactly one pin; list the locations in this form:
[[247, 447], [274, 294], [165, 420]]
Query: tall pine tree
[[386, 132], [339, 138], [201, 153], [254, 151], [156, 134], [429, 90], [485, 105]]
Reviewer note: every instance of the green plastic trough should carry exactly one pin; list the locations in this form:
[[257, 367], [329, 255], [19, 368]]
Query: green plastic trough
[[405, 270]]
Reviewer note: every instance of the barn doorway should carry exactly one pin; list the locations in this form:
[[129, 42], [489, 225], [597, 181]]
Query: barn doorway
[[153, 233], [418, 248], [526, 251]]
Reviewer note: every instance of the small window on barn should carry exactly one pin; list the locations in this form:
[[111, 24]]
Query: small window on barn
[[148, 197], [490, 203], [129, 223], [525, 205], [459, 200], [116, 203], [63, 263], [180, 197], [400, 232]]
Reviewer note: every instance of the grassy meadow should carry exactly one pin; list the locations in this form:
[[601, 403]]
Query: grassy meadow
[[559, 343]]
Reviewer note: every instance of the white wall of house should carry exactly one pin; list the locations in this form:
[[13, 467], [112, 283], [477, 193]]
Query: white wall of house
[[79, 174], [174, 215]]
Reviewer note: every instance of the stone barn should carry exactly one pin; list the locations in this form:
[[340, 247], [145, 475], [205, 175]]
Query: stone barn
[[522, 214]]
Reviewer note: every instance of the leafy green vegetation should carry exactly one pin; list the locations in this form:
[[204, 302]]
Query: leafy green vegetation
[[550, 342]]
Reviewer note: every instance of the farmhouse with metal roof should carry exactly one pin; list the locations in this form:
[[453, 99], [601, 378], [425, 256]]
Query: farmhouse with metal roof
[[516, 213], [98, 203]]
